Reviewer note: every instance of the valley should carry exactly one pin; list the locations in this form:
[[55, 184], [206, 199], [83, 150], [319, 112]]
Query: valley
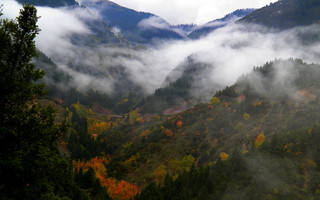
[[149, 110]]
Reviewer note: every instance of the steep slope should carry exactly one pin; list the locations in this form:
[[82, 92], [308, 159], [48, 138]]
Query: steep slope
[[286, 14], [182, 89], [135, 26], [218, 23], [280, 97]]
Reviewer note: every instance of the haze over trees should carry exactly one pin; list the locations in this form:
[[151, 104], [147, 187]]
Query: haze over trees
[[192, 138]]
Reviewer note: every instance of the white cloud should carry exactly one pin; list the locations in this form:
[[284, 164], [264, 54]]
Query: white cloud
[[191, 11], [57, 25], [231, 51], [155, 22]]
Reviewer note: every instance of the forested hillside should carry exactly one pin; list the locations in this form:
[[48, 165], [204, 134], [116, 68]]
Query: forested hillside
[[261, 117], [84, 123], [286, 14]]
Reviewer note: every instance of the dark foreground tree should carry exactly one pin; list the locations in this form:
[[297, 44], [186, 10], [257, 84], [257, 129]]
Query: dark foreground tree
[[31, 166]]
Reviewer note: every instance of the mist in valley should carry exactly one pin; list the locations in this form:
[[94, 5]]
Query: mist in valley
[[228, 52]]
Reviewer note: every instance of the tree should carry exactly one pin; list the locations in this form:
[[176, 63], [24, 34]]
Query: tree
[[215, 100], [31, 165], [259, 140], [246, 116]]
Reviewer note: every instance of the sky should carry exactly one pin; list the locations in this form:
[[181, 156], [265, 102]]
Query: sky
[[191, 11]]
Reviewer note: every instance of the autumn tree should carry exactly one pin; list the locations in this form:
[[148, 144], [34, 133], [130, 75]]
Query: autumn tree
[[215, 100], [259, 140], [31, 165], [246, 116], [224, 156]]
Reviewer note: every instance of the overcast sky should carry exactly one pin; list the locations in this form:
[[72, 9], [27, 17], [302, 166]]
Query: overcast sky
[[191, 11]]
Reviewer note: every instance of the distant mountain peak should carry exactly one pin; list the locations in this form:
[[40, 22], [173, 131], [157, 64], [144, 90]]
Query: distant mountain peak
[[218, 23], [286, 14]]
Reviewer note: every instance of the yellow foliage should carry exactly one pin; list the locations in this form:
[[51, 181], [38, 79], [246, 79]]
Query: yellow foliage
[[215, 100], [259, 140], [133, 116], [97, 126], [246, 116], [145, 133], [159, 174], [311, 163], [131, 163], [224, 156], [187, 162]]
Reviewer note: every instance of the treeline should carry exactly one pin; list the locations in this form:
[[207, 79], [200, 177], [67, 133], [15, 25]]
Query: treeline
[[285, 167], [30, 161]]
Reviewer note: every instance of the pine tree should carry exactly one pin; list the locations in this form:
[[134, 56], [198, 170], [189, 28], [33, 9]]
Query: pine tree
[[31, 165]]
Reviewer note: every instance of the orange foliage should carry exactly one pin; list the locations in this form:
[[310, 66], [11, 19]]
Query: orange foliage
[[59, 101], [241, 98], [259, 140], [287, 147], [168, 133], [98, 126], [306, 93], [179, 124], [120, 190], [140, 120], [96, 163], [223, 156], [259, 103], [198, 134], [226, 104], [210, 107], [145, 133]]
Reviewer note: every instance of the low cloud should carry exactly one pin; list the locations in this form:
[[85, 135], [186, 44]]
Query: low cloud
[[190, 11], [229, 52], [153, 22]]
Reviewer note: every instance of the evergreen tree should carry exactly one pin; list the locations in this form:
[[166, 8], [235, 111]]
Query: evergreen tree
[[31, 165]]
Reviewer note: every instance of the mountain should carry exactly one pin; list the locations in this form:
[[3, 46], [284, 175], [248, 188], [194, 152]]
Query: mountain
[[50, 3], [136, 26], [286, 14], [218, 23], [183, 88], [265, 125]]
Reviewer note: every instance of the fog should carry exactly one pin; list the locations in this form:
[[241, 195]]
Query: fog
[[230, 51]]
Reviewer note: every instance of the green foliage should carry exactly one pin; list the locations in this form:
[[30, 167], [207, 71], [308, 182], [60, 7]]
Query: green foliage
[[89, 182], [293, 13], [31, 165], [133, 116], [203, 183]]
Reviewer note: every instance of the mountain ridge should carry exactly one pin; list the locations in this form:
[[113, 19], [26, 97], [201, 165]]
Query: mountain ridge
[[286, 14]]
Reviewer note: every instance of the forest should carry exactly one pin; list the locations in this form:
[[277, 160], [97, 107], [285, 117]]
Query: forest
[[254, 139]]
